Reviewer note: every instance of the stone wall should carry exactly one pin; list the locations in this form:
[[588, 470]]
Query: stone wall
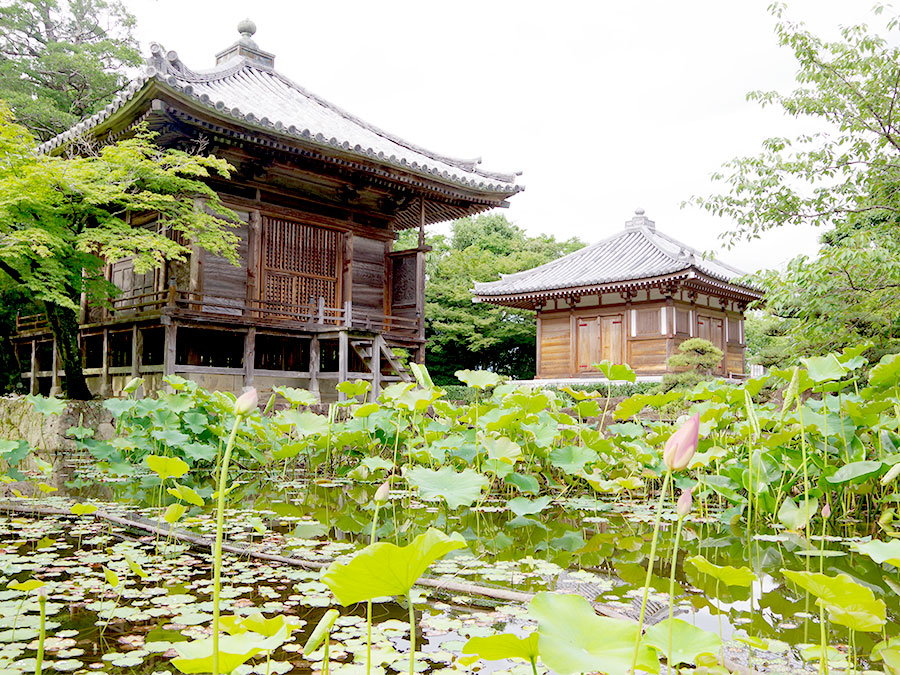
[[19, 421]]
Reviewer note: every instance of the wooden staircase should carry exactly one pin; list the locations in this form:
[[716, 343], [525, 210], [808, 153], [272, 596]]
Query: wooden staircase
[[378, 357]]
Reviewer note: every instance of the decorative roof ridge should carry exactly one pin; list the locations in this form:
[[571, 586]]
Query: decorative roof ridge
[[654, 234], [554, 263], [470, 165]]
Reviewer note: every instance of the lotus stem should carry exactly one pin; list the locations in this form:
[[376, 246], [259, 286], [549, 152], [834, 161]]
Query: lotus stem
[[640, 629], [412, 634], [42, 635], [217, 553], [672, 588]]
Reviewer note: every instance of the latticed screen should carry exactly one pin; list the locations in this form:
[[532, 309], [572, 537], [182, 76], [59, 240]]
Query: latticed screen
[[302, 263]]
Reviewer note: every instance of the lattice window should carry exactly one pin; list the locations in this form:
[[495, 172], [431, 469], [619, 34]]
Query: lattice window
[[302, 263]]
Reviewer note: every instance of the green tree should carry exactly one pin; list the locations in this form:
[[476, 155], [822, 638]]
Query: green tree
[[462, 334], [62, 219], [63, 61], [845, 175], [693, 362]]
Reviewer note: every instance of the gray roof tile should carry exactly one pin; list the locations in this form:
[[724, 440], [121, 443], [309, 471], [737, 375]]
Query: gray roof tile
[[637, 252], [257, 95]]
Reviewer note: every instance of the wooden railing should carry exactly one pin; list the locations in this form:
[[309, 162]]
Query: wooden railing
[[315, 312]]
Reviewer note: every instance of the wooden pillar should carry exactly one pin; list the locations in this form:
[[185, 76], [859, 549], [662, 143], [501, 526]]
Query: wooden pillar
[[104, 367], [33, 383], [54, 371], [249, 357], [573, 343], [422, 222], [137, 351], [169, 357], [321, 309], [254, 252], [420, 296], [348, 313], [375, 366], [343, 358], [346, 263], [537, 341], [314, 364]]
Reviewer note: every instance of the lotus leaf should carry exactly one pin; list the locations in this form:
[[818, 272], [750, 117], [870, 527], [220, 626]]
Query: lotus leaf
[[385, 569], [569, 630], [731, 576], [847, 602], [166, 467], [501, 646], [321, 631], [186, 494], [458, 489], [882, 551], [688, 641], [479, 379], [82, 509], [522, 506]]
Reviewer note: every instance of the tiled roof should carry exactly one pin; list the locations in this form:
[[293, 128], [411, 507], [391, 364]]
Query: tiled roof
[[261, 98], [637, 252]]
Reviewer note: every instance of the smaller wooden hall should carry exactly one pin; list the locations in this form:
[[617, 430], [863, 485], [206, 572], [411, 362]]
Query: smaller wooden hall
[[631, 298]]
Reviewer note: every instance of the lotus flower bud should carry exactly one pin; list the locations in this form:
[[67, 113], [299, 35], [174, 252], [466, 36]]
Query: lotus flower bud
[[685, 502], [826, 511], [891, 474], [682, 445], [246, 403], [381, 494]]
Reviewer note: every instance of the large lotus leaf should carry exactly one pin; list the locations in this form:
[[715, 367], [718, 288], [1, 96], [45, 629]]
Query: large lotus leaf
[[796, 517], [882, 551], [731, 576], [480, 379], [572, 458], [174, 512], [46, 406], [616, 371], [573, 639], [296, 397], [501, 646], [304, 423], [523, 483], [186, 494], [82, 509], [854, 471], [321, 631], [522, 506], [848, 603], [503, 449], [385, 569], [166, 467], [688, 641], [824, 368], [196, 656], [886, 373], [458, 489]]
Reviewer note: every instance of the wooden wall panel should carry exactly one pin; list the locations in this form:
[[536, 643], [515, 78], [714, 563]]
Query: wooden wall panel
[[648, 321], [647, 356], [368, 274], [221, 282], [555, 361]]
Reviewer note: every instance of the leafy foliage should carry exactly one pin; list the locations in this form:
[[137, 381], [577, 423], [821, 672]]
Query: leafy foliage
[[463, 335], [63, 61], [693, 362]]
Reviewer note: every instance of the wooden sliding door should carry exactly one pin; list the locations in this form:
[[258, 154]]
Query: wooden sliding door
[[301, 263], [612, 338]]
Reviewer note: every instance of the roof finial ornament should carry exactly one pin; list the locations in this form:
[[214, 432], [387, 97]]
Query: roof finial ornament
[[640, 220], [247, 28]]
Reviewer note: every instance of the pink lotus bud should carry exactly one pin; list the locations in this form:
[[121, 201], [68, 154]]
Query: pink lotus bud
[[685, 502], [246, 403], [826, 511], [381, 494], [682, 445]]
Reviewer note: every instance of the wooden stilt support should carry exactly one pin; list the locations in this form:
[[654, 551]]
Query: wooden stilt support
[[375, 366], [343, 359], [104, 367], [249, 357], [315, 360], [137, 351], [32, 382], [54, 371]]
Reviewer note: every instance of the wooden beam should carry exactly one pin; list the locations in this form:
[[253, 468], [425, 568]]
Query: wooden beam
[[249, 357], [254, 256], [421, 221], [346, 283], [315, 360], [343, 360]]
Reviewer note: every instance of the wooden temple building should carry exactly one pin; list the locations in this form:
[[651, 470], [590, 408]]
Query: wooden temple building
[[631, 298], [320, 294]]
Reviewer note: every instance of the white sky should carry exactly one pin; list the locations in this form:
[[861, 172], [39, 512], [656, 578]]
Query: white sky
[[604, 106]]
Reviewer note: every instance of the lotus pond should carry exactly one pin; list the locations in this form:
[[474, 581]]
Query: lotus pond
[[785, 561]]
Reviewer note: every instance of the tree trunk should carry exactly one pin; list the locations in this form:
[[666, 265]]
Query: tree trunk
[[64, 324]]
